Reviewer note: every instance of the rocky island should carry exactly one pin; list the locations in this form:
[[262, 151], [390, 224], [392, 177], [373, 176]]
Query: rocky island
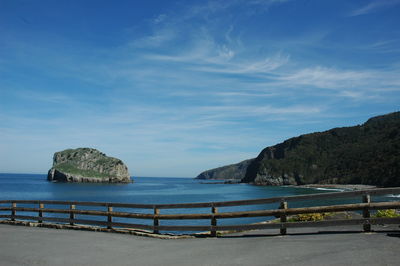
[[87, 165], [367, 154]]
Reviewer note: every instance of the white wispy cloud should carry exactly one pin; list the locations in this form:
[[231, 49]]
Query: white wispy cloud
[[384, 46], [329, 78], [245, 94], [338, 79], [158, 38], [374, 6], [266, 65], [212, 7], [204, 60], [257, 111], [160, 18], [48, 97]]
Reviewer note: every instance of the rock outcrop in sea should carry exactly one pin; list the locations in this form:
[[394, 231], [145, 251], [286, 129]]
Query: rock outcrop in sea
[[87, 165], [367, 154]]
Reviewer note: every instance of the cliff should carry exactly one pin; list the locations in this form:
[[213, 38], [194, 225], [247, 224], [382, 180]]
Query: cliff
[[365, 154], [87, 165], [233, 171]]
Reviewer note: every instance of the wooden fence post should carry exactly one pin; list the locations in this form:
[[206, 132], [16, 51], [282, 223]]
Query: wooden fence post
[[41, 206], [213, 232], [109, 217], [366, 213], [156, 221], [13, 211], [283, 219], [71, 214]]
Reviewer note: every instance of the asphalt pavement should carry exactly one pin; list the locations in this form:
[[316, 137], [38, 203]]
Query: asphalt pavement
[[21, 245]]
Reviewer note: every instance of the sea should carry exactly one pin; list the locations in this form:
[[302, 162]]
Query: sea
[[157, 190]]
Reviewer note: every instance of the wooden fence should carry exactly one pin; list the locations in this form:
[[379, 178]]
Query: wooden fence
[[70, 210]]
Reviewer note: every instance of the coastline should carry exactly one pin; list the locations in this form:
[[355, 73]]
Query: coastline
[[338, 186]]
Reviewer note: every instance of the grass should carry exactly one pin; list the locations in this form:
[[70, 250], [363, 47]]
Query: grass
[[71, 169]]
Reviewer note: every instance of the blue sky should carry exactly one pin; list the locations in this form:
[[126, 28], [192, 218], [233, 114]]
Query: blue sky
[[177, 87]]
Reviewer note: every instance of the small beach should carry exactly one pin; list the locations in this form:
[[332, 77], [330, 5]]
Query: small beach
[[339, 187]]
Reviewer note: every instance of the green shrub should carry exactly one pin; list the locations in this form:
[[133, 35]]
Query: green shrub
[[390, 213], [310, 217]]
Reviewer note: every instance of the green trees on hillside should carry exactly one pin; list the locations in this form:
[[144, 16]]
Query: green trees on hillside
[[365, 154]]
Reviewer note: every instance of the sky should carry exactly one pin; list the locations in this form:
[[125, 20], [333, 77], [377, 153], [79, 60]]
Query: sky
[[174, 88]]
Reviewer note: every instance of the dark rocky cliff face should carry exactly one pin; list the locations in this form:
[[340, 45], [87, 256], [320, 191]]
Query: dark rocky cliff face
[[87, 165], [366, 154], [233, 171]]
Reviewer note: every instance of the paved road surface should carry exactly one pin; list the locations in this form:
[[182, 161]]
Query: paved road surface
[[20, 245]]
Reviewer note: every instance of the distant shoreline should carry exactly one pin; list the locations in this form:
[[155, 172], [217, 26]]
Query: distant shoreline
[[315, 186], [338, 186]]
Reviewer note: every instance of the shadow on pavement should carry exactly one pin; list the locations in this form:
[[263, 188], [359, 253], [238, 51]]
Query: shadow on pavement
[[390, 233], [395, 234]]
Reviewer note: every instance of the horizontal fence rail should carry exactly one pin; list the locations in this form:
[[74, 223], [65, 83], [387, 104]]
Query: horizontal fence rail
[[15, 212]]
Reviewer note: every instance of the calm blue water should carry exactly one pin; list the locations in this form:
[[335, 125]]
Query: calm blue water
[[143, 190], [150, 190]]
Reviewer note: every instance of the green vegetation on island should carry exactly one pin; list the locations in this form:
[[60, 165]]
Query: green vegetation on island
[[70, 168]]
